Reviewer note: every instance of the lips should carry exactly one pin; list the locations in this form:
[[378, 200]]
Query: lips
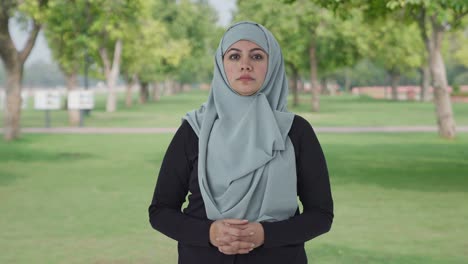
[[245, 77]]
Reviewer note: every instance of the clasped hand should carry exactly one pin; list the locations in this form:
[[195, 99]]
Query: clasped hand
[[236, 236]]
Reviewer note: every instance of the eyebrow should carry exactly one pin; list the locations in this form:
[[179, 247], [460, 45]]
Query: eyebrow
[[238, 50]]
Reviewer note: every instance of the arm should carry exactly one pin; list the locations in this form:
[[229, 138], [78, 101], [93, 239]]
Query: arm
[[314, 193], [165, 213]]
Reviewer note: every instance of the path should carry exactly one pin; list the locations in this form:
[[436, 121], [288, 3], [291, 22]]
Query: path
[[125, 130]]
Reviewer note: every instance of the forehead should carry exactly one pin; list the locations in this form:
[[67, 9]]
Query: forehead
[[244, 45]]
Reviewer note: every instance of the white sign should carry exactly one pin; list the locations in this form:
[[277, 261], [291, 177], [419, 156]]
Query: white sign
[[24, 99], [3, 100], [47, 100], [81, 99]]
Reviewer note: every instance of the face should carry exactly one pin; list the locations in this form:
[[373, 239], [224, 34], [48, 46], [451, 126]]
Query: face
[[246, 65]]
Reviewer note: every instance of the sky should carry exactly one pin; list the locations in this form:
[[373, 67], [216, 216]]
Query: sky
[[41, 51]]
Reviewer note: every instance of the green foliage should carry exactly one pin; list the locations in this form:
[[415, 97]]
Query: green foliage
[[173, 39], [296, 25], [456, 46], [67, 32], [461, 79], [396, 46], [32, 9], [149, 47], [193, 23], [448, 13]]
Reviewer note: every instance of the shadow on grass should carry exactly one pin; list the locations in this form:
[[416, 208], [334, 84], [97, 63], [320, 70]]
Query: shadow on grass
[[8, 177], [326, 253], [27, 155], [420, 167], [20, 157], [21, 151]]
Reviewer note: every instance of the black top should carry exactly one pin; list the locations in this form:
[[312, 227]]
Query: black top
[[284, 240]]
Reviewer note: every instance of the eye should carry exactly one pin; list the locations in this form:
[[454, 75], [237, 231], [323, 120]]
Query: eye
[[234, 56], [257, 56]]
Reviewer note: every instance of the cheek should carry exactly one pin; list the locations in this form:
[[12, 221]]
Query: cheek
[[228, 69], [263, 70]]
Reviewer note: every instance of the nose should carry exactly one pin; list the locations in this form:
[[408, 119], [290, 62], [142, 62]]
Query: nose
[[245, 65]]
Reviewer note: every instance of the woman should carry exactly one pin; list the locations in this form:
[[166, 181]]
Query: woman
[[244, 159]]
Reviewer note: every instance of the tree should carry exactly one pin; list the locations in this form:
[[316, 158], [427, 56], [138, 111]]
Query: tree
[[435, 18], [455, 55], [108, 31], [443, 15], [66, 30], [160, 50], [14, 59], [395, 46], [194, 22]]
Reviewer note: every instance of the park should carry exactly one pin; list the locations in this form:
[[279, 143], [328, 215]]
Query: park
[[75, 185]]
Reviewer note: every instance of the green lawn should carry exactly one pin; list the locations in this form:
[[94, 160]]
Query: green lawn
[[345, 110], [399, 198]]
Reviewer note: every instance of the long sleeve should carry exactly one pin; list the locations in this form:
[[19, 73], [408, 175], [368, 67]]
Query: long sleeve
[[313, 191], [165, 213]]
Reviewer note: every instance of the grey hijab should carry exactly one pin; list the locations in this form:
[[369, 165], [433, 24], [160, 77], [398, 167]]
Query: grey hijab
[[246, 162]]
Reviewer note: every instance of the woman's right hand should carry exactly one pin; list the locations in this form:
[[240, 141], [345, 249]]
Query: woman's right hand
[[227, 236]]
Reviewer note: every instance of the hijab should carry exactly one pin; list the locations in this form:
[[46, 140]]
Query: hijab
[[246, 161]]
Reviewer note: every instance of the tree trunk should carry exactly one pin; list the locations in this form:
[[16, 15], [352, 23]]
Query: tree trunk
[[73, 114], [11, 124], [144, 93], [156, 92], [425, 68], [386, 96], [295, 76], [394, 80], [131, 81], [112, 73], [177, 87], [347, 82], [425, 82], [443, 105], [13, 61], [300, 86], [168, 87], [313, 77]]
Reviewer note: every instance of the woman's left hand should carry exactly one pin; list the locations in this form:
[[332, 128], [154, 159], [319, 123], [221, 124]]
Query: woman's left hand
[[257, 236]]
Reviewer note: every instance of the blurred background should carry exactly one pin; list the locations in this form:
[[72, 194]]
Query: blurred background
[[91, 92]]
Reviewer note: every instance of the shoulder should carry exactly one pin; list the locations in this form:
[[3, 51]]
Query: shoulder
[[186, 136], [299, 127], [185, 131], [302, 134]]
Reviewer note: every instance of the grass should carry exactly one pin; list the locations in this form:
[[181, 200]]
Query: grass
[[345, 110], [399, 198]]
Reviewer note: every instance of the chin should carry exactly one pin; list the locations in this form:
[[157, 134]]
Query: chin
[[246, 92]]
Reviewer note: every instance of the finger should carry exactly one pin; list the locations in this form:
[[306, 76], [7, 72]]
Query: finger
[[237, 247], [225, 239], [241, 245], [238, 232], [244, 251], [242, 227], [228, 250], [232, 221], [246, 239]]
